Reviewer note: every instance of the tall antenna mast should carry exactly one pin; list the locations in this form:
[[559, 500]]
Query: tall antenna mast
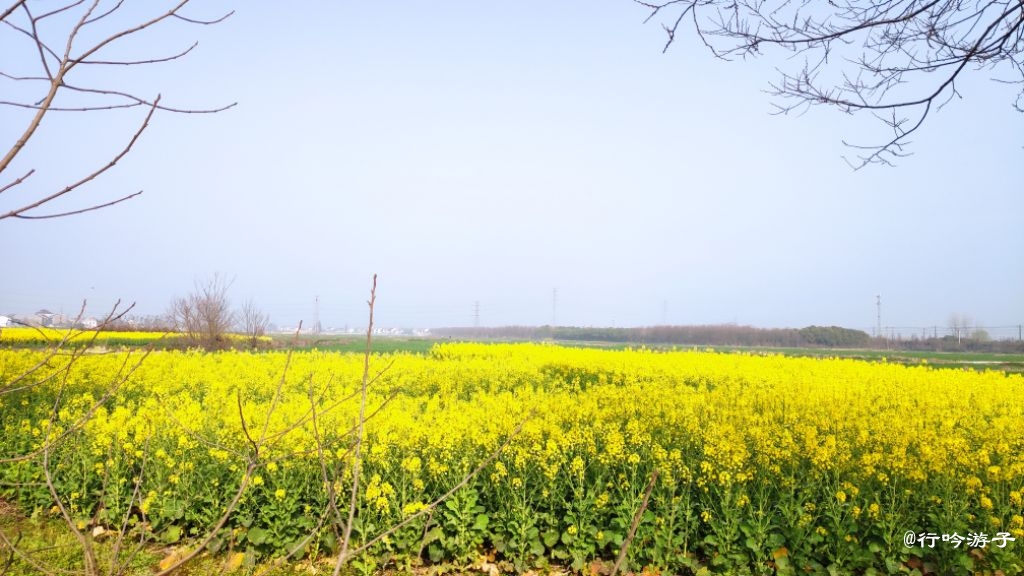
[[878, 320], [316, 316]]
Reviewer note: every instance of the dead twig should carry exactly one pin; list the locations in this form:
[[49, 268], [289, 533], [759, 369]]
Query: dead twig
[[356, 461], [636, 523]]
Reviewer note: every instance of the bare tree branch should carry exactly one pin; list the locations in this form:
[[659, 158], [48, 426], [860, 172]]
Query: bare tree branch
[[429, 508], [356, 462], [254, 322], [55, 67], [624, 549], [863, 56], [10, 9], [79, 211], [140, 62], [205, 315], [113, 162], [17, 181], [204, 22]]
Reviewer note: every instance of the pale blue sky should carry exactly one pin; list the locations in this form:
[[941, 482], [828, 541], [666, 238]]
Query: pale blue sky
[[491, 152]]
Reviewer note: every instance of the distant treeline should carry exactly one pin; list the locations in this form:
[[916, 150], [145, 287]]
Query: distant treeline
[[951, 344], [720, 335]]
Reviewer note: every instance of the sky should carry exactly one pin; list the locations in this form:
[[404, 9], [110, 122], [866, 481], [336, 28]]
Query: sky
[[542, 160]]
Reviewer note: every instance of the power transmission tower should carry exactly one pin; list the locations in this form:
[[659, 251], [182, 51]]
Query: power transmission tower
[[476, 314]]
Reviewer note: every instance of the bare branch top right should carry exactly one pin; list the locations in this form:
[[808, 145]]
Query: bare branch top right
[[897, 60]]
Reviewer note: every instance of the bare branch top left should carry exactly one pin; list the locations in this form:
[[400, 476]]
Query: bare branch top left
[[51, 55]]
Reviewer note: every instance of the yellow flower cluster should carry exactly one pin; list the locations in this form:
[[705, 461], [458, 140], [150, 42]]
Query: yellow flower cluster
[[23, 335], [711, 422]]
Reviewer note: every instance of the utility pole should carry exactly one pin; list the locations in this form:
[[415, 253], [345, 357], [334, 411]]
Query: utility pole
[[476, 314]]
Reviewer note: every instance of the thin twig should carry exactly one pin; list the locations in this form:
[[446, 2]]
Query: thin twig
[[636, 522], [465, 480], [359, 435], [93, 175]]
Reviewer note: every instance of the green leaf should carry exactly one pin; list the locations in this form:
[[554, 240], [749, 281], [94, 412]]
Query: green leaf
[[330, 542], [256, 535], [215, 545], [433, 535], [435, 552], [550, 538], [174, 511], [172, 534], [481, 522], [299, 546]]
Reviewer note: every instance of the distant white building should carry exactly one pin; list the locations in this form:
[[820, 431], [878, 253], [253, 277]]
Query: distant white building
[[44, 318], [5, 321], [90, 323]]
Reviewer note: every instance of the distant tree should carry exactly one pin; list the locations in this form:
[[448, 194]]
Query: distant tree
[[897, 60], [959, 325], [834, 337], [254, 322], [204, 317], [47, 48]]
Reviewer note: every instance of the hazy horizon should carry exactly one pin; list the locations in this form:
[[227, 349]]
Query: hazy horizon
[[489, 154]]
